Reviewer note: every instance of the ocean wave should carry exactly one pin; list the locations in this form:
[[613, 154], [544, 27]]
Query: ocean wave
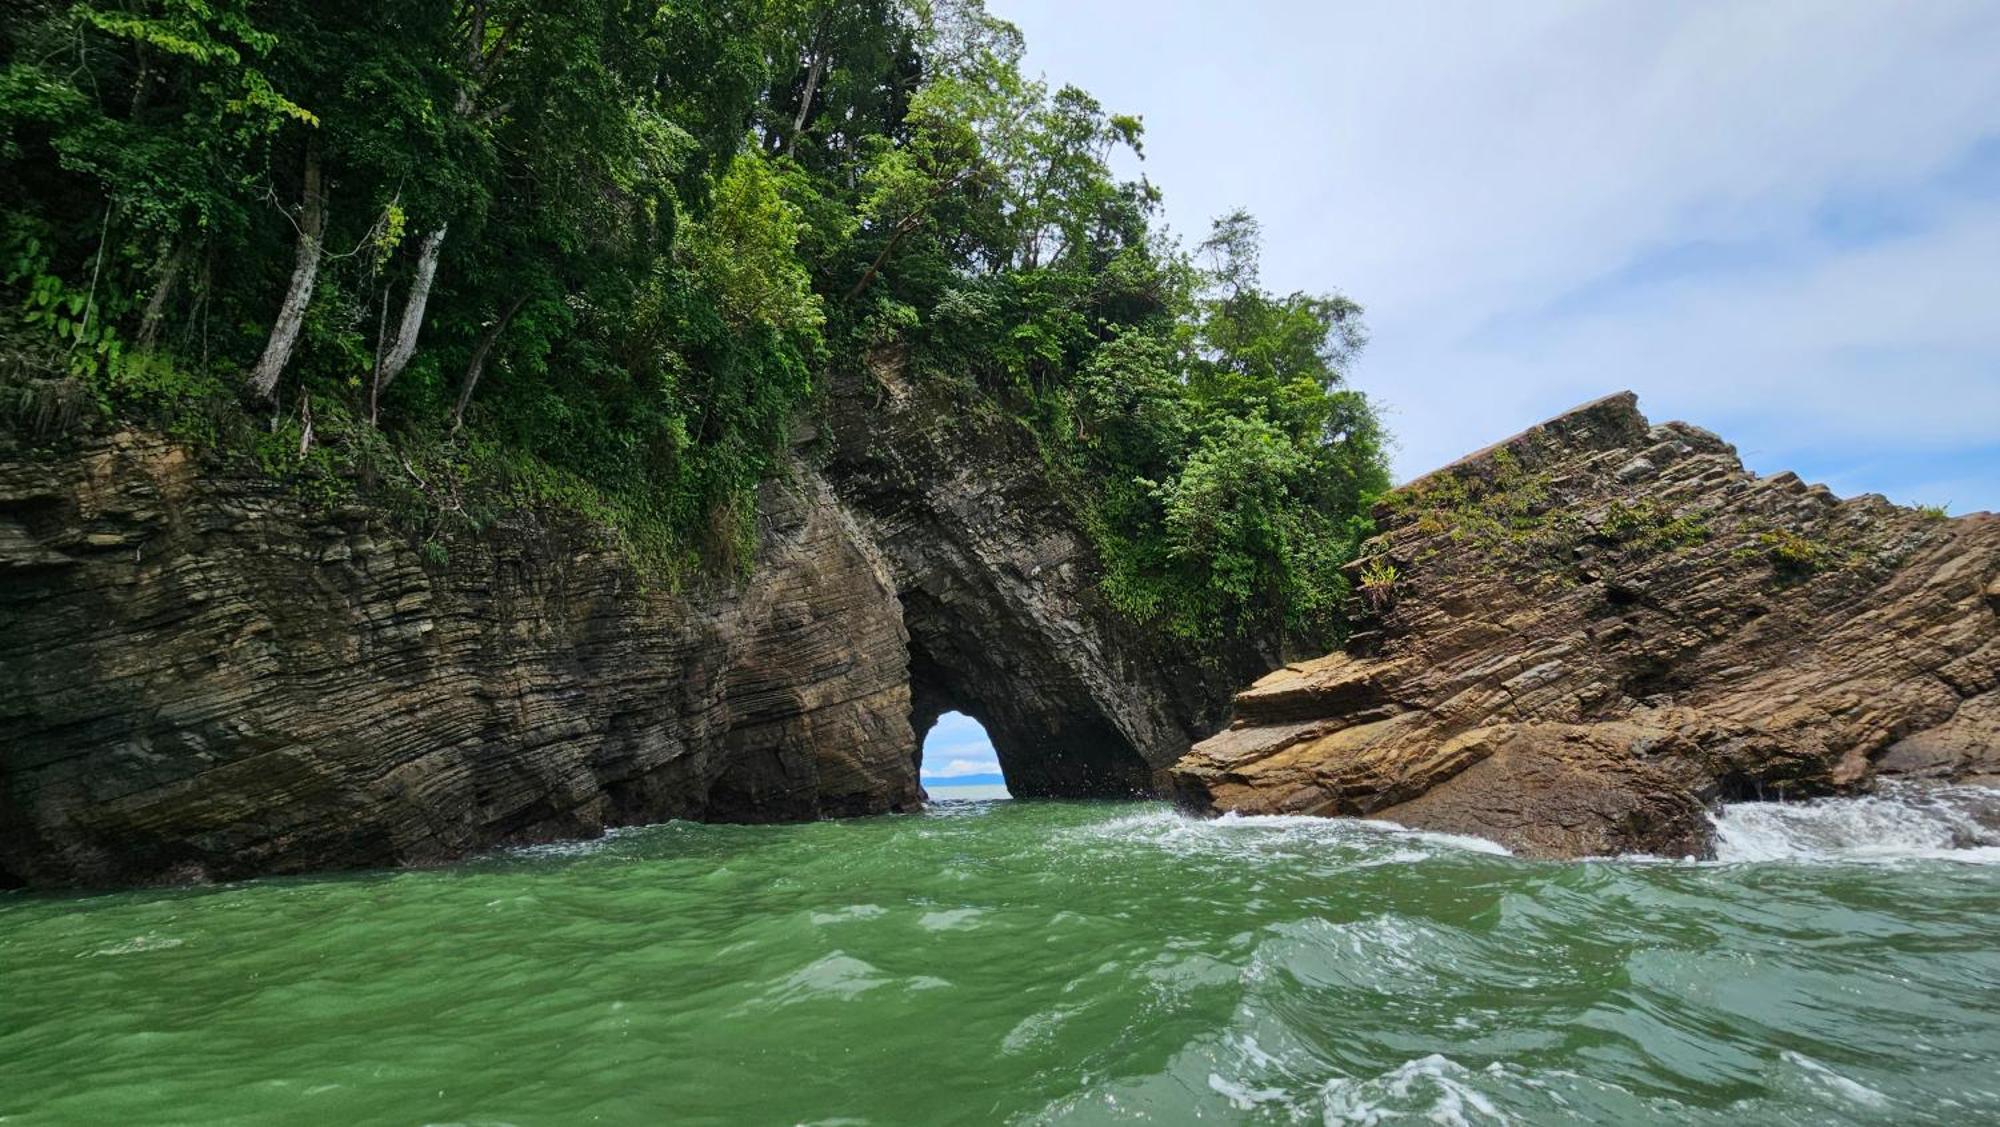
[[1900, 822], [1250, 835]]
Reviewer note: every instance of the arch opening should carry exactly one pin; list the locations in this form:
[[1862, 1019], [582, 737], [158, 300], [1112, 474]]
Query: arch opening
[[1048, 730], [956, 760]]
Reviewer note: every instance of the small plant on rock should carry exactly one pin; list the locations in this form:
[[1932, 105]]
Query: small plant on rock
[[1793, 554], [1378, 583], [1652, 527]]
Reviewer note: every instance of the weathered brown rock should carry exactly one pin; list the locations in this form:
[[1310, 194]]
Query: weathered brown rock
[[201, 676], [1600, 624]]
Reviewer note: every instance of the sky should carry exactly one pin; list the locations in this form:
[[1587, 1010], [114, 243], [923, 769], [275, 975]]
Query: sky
[[958, 754], [1780, 221]]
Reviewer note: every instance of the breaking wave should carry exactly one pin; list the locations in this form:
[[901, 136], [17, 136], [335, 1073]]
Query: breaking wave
[[1901, 822]]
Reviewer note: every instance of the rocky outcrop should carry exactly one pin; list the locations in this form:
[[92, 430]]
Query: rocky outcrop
[[1573, 640], [1001, 599], [199, 677], [202, 676]]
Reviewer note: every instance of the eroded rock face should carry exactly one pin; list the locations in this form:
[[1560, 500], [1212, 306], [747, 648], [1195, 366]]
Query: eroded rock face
[[202, 677], [198, 678], [1000, 596], [1574, 639]]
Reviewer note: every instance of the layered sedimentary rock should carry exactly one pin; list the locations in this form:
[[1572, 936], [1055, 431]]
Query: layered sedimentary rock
[[203, 676], [199, 677], [1000, 595], [1573, 640]]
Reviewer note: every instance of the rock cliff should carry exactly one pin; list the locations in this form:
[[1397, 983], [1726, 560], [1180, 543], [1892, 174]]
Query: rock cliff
[[203, 677], [1000, 596], [200, 677], [1573, 640]]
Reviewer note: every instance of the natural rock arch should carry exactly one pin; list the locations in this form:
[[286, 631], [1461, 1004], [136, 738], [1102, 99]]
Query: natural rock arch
[[1050, 740], [201, 675], [998, 588]]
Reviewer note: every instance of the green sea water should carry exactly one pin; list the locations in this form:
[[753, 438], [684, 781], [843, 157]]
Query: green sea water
[[1011, 962]]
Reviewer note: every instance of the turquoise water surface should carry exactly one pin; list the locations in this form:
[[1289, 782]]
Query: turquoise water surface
[[1012, 962]]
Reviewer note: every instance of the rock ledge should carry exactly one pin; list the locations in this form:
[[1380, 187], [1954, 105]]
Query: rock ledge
[[1573, 640]]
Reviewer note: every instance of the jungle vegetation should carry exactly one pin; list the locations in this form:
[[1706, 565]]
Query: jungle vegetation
[[606, 252]]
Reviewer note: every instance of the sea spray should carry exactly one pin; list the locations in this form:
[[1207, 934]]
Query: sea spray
[[1900, 822]]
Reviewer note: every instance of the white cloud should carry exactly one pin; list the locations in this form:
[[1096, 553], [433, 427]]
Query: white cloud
[[1468, 170], [956, 746]]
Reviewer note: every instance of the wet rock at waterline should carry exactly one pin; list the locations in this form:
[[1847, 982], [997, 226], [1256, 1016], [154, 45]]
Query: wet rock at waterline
[[1574, 639], [202, 676]]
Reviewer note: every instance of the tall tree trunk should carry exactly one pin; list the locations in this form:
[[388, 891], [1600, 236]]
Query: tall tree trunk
[[805, 102], [815, 69], [141, 84], [413, 318], [163, 288], [305, 271], [477, 366]]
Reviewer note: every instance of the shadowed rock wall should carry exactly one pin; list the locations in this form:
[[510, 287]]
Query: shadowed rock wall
[[1000, 597]]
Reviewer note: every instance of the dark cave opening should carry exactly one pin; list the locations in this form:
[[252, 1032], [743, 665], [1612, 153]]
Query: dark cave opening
[[1048, 730]]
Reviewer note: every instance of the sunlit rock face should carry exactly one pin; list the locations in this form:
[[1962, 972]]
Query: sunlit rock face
[[1573, 639]]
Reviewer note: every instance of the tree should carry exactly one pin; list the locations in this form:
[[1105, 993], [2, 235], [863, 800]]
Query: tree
[[604, 251], [305, 275]]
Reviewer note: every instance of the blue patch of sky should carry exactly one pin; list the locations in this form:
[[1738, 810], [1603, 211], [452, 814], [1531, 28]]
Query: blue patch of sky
[[1959, 479], [1846, 220], [957, 753]]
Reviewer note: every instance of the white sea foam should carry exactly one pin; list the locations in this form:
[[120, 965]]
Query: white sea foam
[[1905, 822], [1241, 1096], [1464, 842], [1247, 834], [1820, 1076], [1433, 1089], [136, 945], [850, 913]]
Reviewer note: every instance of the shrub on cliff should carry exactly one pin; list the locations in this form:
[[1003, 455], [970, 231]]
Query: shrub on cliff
[[612, 246]]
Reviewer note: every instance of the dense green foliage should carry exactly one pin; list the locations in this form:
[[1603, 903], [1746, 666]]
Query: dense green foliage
[[604, 250]]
